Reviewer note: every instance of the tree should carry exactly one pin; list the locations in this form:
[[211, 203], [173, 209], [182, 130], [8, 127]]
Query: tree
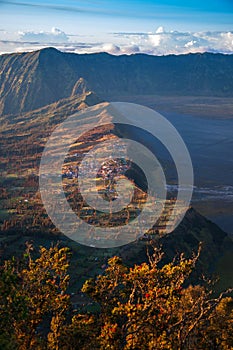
[[148, 306], [33, 292]]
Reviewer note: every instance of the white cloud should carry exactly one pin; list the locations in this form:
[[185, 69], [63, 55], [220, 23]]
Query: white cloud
[[54, 36], [163, 42], [160, 30], [131, 49], [109, 48], [190, 43], [159, 42]]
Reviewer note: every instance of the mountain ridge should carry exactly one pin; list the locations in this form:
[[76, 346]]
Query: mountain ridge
[[32, 80]]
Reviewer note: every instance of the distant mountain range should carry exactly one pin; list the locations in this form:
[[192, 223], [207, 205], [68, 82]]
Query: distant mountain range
[[32, 80]]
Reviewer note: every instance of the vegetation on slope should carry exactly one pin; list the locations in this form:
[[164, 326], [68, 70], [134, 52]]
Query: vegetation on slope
[[140, 307]]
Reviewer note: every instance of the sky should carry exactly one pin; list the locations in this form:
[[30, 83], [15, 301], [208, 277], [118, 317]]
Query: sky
[[157, 27]]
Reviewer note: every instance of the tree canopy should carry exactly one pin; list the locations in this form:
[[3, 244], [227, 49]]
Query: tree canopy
[[148, 306]]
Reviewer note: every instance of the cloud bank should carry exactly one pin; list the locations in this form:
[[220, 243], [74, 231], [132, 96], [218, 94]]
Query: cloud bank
[[56, 35], [162, 42], [159, 42]]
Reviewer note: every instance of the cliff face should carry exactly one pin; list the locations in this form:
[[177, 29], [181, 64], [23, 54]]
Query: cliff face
[[32, 80]]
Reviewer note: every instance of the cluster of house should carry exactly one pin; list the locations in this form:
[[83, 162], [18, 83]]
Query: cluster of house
[[70, 172], [107, 172], [113, 168]]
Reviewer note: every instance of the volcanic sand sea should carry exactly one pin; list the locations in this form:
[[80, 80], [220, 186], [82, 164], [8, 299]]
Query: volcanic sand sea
[[210, 143]]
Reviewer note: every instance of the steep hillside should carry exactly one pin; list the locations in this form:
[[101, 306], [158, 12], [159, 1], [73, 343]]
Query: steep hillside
[[216, 252], [32, 80], [22, 216], [217, 246]]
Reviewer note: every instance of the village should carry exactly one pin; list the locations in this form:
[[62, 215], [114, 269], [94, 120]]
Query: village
[[105, 182]]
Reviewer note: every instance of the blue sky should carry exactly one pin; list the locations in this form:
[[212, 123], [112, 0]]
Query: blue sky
[[78, 16], [95, 21]]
